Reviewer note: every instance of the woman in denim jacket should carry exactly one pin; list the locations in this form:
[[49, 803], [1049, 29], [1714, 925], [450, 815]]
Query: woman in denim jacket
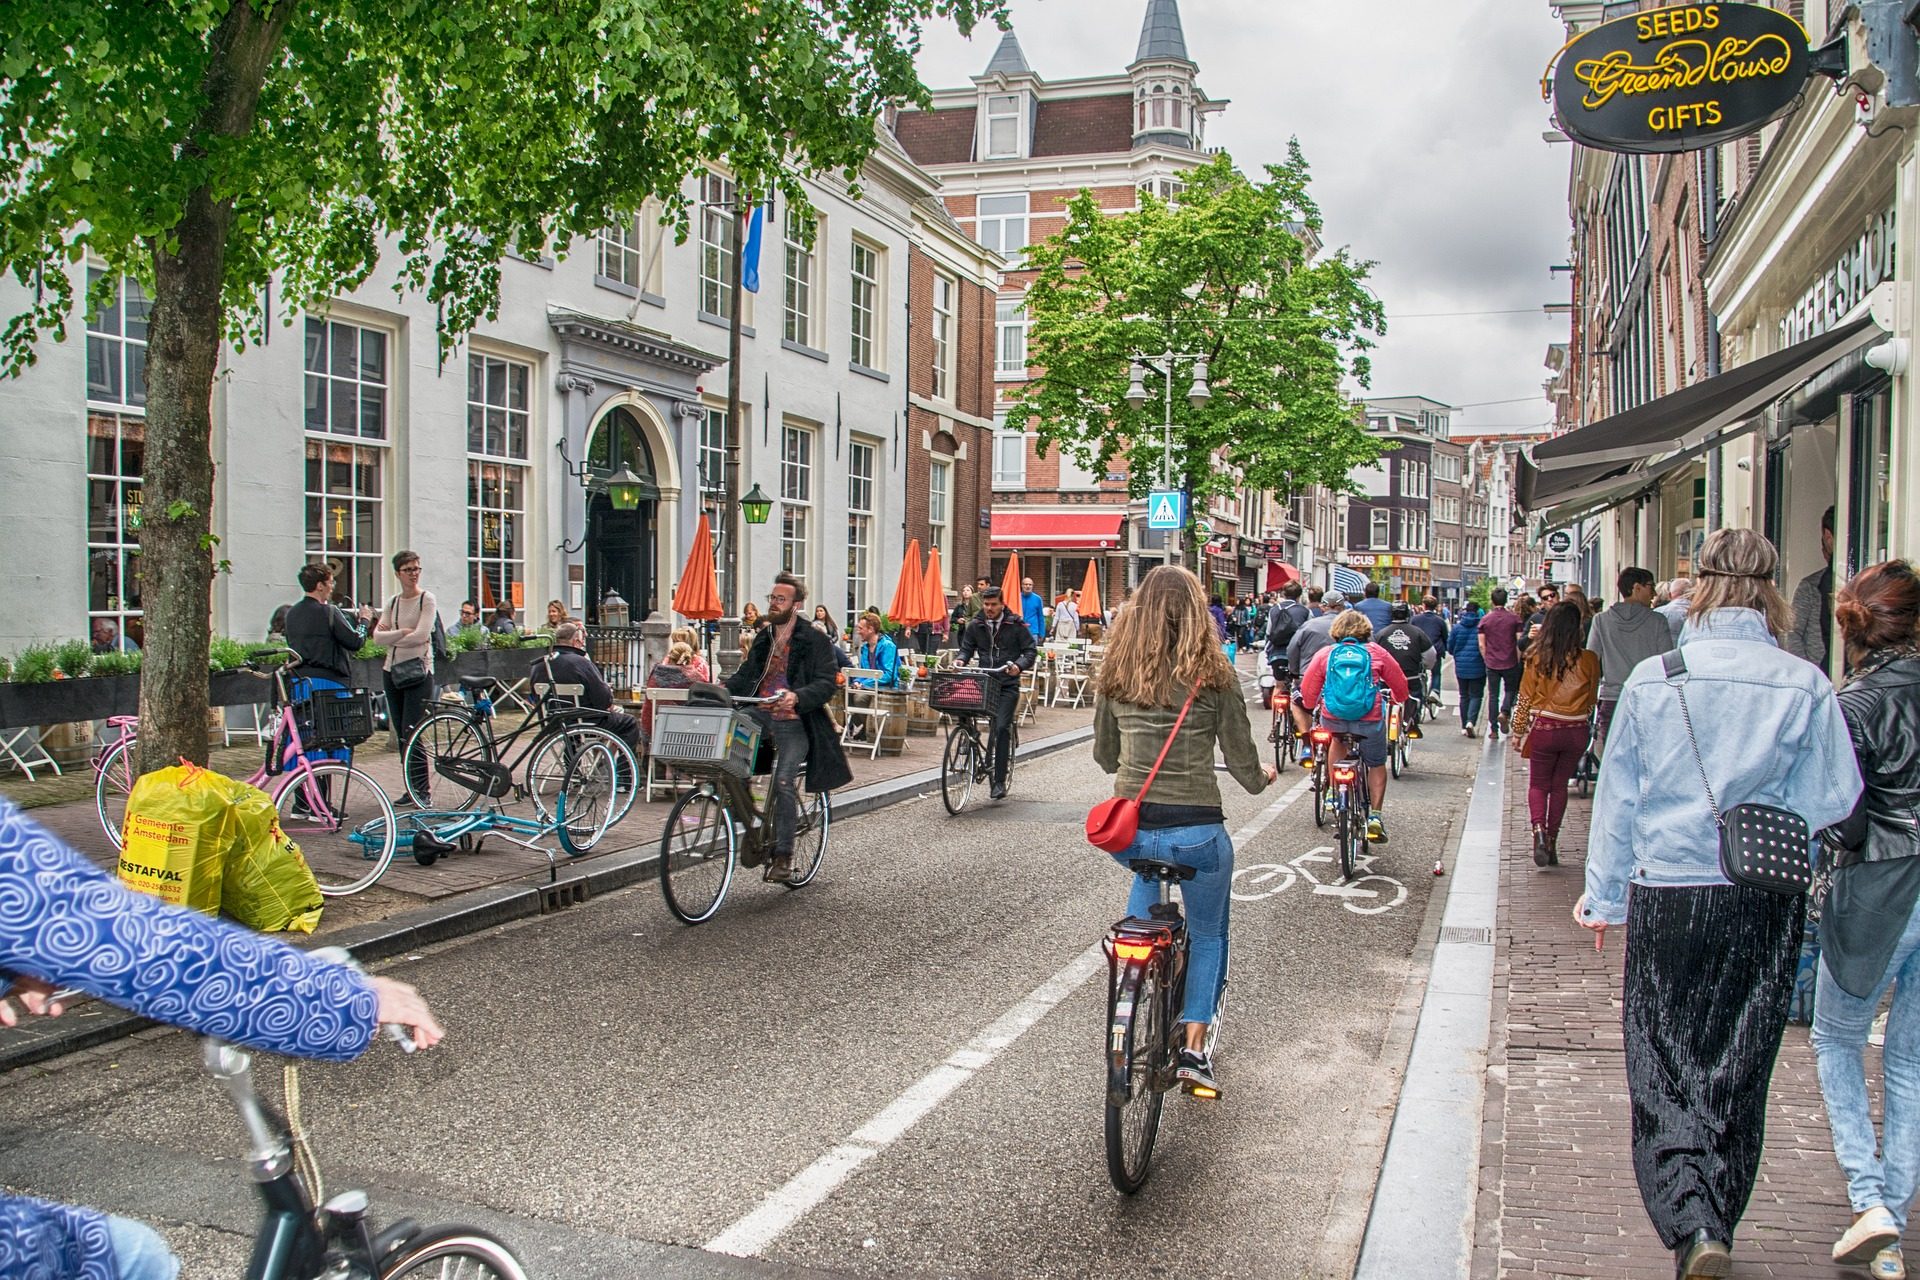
[[1709, 965]]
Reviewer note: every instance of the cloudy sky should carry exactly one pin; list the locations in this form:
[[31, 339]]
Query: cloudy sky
[[1423, 124]]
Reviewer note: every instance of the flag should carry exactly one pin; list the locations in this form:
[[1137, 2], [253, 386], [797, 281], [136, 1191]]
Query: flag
[[750, 266], [1348, 582]]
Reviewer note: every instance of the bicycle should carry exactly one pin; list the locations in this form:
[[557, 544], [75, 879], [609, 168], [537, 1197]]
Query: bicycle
[[1285, 735], [340, 817], [1320, 739], [1399, 741], [1146, 989], [960, 694], [1351, 801], [718, 825], [1587, 773]]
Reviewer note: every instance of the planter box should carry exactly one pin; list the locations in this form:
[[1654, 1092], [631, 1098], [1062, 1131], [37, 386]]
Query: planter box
[[367, 673], [65, 701], [238, 689], [511, 665], [471, 663]]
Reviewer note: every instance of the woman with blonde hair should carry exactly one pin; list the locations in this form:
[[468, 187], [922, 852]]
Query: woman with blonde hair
[[1729, 719], [690, 638], [1166, 683]]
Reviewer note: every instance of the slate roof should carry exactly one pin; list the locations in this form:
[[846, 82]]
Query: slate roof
[[1160, 33], [1009, 58], [937, 137], [1084, 126]]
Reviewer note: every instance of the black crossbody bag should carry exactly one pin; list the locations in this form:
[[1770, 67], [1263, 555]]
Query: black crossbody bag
[[1761, 847]]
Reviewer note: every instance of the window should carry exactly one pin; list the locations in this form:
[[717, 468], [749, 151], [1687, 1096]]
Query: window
[[117, 345], [498, 414], [944, 293], [861, 469], [796, 500], [1001, 225], [719, 233], [1179, 107], [116, 455], [617, 260], [797, 306], [1003, 125], [346, 402], [1381, 529], [1159, 105], [940, 512], [864, 323], [1010, 334], [713, 485], [1009, 455], [1167, 189]]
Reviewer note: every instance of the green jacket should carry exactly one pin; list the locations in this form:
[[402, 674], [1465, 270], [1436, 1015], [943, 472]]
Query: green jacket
[[1126, 740]]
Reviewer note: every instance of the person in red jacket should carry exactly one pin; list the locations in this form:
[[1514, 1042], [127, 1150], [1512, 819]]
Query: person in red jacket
[[1352, 627]]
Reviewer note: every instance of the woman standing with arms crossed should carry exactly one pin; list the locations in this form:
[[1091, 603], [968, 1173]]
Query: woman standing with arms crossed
[[1557, 693], [1165, 654], [405, 627], [1869, 926], [1710, 964]]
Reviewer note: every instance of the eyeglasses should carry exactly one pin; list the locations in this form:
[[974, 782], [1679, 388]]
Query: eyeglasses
[[411, 568]]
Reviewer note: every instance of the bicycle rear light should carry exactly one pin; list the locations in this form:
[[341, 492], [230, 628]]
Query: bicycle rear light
[[1133, 950], [1344, 773], [1281, 702], [1322, 736]]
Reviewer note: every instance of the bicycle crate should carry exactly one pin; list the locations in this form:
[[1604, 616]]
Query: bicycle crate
[[959, 691], [339, 717], [716, 737]]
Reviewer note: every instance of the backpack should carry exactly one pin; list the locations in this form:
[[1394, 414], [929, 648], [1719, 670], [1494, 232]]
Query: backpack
[[442, 652], [1350, 692], [1282, 622]]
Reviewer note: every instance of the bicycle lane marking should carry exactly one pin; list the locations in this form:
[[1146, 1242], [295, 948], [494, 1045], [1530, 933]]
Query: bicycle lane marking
[[767, 1221]]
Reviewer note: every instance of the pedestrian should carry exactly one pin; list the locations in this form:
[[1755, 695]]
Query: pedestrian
[[1317, 600], [1813, 604], [1033, 610], [1709, 963], [1679, 597], [405, 627], [963, 611], [1557, 692], [1499, 636], [1066, 617], [1220, 625], [1870, 922], [1625, 636], [1469, 667], [1167, 691]]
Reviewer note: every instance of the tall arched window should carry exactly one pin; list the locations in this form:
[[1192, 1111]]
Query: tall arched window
[[1142, 110], [1179, 107], [1159, 105]]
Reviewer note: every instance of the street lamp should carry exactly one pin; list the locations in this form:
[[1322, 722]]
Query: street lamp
[[1198, 395], [626, 491], [756, 506]]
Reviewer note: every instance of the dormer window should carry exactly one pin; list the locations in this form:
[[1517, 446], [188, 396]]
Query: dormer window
[[1003, 125]]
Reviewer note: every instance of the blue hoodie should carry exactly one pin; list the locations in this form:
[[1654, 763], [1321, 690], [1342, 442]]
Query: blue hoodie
[[1463, 642]]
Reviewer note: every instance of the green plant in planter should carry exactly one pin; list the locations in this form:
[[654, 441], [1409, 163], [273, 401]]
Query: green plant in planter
[[73, 658], [505, 640], [6, 670], [371, 652], [464, 639], [224, 653], [116, 664], [35, 665]]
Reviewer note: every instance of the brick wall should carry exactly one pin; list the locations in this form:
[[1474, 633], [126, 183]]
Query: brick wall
[[930, 434]]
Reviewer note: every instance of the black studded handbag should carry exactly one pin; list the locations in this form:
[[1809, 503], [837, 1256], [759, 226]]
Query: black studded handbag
[[1761, 847]]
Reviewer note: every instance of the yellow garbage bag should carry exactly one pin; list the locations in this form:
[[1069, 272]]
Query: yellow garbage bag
[[267, 885], [174, 841]]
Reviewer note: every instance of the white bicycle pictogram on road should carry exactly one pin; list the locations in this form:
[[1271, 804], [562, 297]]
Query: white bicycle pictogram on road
[[1366, 894]]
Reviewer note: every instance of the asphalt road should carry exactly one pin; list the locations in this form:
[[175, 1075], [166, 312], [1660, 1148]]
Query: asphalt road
[[892, 1072]]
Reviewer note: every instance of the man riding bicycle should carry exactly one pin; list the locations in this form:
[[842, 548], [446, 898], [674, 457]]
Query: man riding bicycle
[[1412, 649], [1000, 640], [1285, 619], [1344, 683], [792, 664]]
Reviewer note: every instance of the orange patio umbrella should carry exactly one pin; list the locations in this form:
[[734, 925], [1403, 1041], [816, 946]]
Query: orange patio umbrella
[[905, 608], [1010, 582], [698, 596], [933, 597], [1090, 593]]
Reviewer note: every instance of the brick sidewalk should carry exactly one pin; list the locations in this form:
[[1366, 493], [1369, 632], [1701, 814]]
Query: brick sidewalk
[[1557, 1192]]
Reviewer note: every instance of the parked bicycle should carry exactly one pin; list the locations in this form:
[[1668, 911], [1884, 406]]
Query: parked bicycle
[[1146, 989], [962, 695], [720, 825], [340, 817]]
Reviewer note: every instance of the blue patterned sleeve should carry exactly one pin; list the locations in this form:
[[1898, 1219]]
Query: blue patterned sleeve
[[66, 922], [40, 1240]]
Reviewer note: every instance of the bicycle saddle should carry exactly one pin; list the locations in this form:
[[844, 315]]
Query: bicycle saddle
[[1154, 869], [479, 684]]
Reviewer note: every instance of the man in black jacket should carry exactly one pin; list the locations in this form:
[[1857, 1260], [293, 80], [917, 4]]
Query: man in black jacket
[[570, 664], [1000, 640], [792, 662], [1409, 645], [1283, 620]]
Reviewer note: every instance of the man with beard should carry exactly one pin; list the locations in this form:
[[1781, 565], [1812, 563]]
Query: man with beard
[[792, 664]]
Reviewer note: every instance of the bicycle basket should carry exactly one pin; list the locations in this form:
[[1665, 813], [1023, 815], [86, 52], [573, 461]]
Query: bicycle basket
[[340, 718], [689, 737], [958, 691]]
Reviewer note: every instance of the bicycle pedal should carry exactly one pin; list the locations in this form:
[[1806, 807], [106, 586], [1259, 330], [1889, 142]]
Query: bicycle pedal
[[1201, 1092]]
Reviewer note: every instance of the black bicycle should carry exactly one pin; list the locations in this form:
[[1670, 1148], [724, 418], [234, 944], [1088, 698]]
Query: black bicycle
[[1351, 801], [1146, 989], [1285, 734], [963, 695]]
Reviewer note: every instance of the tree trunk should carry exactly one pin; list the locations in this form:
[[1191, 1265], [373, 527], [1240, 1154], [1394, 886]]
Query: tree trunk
[[183, 353]]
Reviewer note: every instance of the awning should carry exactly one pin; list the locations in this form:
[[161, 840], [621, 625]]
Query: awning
[[1058, 530], [1281, 575]]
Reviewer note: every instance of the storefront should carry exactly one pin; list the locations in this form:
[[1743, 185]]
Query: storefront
[[1402, 577]]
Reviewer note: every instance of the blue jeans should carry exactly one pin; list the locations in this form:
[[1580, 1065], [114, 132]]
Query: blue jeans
[[138, 1251], [1210, 852], [1472, 690], [1840, 1026]]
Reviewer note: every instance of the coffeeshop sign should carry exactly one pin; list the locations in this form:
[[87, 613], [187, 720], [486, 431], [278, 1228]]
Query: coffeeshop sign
[[1681, 78]]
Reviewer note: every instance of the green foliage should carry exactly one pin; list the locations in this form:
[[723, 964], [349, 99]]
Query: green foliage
[[224, 653], [371, 652], [1224, 274], [465, 639], [503, 640], [1481, 592], [6, 669], [35, 665], [73, 658], [116, 664]]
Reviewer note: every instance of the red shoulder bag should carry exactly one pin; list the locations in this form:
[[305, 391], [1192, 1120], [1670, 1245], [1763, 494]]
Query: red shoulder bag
[[1112, 824]]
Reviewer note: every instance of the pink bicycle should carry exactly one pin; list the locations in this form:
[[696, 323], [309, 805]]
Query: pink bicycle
[[340, 817]]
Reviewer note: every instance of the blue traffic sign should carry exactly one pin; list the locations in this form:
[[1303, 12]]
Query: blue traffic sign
[[1166, 509]]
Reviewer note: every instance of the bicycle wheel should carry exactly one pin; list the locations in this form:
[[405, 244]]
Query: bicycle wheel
[[112, 784], [548, 762], [1394, 750], [1013, 754], [444, 765], [342, 821], [1319, 793], [698, 852], [454, 1253], [959, 765], [810, 841], [585, 803], [1352, 834], [1133, 1103]]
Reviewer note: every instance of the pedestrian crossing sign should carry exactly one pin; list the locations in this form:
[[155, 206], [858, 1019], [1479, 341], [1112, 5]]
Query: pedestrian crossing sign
[[1166, 509]]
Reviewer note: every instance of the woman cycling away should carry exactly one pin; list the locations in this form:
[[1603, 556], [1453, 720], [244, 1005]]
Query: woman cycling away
[[1165, 648]]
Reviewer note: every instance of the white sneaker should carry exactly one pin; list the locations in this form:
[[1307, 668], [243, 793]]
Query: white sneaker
[[1877, 1034], [1871, 1233], [1888, 1264]]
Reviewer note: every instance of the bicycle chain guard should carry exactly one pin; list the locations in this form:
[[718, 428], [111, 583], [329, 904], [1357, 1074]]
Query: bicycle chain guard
[[491, 780]]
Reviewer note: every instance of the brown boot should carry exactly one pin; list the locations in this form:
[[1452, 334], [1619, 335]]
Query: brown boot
[[1539, 847], [780, 868], [1553, 849]]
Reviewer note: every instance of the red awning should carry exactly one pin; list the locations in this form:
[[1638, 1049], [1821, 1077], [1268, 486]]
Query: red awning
[[1058, 530], [1280, 575]]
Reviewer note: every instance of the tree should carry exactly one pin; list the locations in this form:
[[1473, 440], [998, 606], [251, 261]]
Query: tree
[[1223, 273], [216, 148]]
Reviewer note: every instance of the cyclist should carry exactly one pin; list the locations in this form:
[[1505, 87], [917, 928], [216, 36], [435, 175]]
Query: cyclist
[[1344, 684], [1315, 635], [1000, 640], [173, 965], [1411, 649], [1430, 621], [1165, 651], [1286, 618], [792, 663]]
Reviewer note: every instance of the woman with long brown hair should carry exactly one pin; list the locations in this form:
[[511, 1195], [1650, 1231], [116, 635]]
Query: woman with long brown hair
[[1165, 683], [1557, 693]]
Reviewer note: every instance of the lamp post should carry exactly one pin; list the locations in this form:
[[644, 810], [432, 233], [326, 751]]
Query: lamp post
[[1165, 364]]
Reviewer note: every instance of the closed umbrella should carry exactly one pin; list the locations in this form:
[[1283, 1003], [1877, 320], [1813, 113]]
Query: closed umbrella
[[1010, 584], [933, 595], [697, 598], [1090, 594], [905, 607]]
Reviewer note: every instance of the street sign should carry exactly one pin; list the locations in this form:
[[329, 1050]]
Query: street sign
[[1559, 542], [1166, 509]]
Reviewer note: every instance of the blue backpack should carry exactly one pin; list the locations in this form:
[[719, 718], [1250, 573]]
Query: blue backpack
[[1350, 692]]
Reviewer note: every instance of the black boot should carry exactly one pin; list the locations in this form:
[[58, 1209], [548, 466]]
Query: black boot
[[1553, 849], [1539, 847], [1701, 1257]]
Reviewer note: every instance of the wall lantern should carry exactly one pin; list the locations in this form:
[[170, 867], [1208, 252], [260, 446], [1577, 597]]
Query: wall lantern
[[756, 506]]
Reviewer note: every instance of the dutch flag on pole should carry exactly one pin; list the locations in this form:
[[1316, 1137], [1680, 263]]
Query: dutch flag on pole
[[1348, 582]]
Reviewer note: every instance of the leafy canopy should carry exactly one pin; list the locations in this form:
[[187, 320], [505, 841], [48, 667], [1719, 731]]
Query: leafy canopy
[[459, 128], [1222, 273]]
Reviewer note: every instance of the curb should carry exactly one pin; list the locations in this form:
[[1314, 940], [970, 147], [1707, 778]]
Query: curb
[[469, 913]]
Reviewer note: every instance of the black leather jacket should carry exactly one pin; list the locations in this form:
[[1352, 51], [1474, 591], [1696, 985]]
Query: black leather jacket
[[1882, 707]]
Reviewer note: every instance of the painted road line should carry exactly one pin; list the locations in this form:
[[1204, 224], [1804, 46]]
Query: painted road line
[[801, 1194]]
